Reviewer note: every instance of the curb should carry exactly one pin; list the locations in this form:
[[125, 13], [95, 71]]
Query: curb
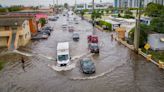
[[147, 56]]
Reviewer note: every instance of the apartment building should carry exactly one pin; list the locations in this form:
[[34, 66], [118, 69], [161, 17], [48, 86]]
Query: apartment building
[[134, 3]]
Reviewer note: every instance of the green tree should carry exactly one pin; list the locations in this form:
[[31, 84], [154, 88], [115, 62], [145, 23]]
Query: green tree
[[107, 11], [3, 10], [96, 14], [66, 5], [158, 24], [143, 34], [15, 8], [154, 10], [82, 13], [42, 21]]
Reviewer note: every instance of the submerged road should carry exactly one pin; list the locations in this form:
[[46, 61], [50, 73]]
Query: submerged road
[[118, 69]]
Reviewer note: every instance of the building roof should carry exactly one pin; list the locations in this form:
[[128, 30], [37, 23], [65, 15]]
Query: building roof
[[11, 21]]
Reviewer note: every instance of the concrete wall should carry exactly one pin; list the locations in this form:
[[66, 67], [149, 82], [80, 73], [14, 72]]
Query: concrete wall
[[154, 41], [3, 41]]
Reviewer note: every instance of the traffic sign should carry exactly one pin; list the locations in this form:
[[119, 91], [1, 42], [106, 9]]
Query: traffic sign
[[147, 46]]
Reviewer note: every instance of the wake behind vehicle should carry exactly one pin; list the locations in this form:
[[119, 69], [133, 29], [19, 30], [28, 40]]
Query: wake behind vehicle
[[87, 66], [63, 56]]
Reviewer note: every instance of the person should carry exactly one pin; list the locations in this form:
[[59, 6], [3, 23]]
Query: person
[[112, 37], [23, 62]]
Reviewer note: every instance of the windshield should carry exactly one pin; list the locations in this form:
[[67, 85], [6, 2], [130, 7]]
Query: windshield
[[87, 63], [62, 57], [94, 46]]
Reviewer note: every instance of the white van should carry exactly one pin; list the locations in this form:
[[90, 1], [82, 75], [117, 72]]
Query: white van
[[63, 57]]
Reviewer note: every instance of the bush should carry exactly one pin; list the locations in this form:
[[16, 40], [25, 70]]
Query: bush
[[1, 64], [104, 23], [42, 21], [143, 34], [128, 16]]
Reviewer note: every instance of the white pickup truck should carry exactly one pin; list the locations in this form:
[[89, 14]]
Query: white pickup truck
[[63, 57]]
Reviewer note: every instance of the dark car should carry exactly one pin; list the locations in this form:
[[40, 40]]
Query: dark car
[[75, 37], [94, 48], [87, 66], [48, 32], [47, 28], [52, 19]]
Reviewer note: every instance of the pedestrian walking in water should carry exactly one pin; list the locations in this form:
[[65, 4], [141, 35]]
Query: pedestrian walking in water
[[111, 37], [23, 61]]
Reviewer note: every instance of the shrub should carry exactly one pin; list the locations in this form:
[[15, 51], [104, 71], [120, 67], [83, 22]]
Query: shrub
[[143, 34], [104, 23]]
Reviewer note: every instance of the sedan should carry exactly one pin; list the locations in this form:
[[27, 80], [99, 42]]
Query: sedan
[[47, 28], [75, 37], [87, 66], [94, 48]]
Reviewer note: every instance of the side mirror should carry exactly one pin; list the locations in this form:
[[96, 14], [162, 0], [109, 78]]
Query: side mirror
[[70, 58], [56, 59]]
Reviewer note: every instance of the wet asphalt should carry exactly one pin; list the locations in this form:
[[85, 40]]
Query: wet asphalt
[[118, 69]]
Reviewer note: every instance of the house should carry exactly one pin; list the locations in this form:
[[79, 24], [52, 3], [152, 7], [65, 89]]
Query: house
[[156, 41], [14, 32], [30, 17]]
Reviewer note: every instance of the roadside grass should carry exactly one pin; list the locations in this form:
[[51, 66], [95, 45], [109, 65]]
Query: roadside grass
[[2, 63], [156, 55]]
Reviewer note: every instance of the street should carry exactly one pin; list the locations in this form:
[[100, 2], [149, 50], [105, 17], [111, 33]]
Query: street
[[118, 69]]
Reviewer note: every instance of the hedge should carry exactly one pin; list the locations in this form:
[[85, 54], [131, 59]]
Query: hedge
[[104, 23]]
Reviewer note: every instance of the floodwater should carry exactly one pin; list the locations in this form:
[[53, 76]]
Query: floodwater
[[118, 69]]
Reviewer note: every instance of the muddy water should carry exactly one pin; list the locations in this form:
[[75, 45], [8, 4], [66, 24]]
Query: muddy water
[[118, 69]]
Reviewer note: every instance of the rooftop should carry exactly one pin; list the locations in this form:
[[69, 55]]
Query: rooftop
[[11, 21]]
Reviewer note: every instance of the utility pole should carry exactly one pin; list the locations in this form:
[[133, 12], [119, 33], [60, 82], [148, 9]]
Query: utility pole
[[54, 7], [75, 5], [57, 5], [93, 20], [137, 28]]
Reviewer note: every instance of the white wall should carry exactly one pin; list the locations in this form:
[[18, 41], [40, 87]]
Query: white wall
[[154, 41]]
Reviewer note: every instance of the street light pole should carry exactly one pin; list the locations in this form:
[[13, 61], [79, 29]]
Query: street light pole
[[137, 28], [54, 7], [93, 20], [57, 5]]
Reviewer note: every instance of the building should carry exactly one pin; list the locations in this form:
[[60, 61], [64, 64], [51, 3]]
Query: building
[[31, 18], [156, 41], [134, 3], [96, 6], [14, 32]]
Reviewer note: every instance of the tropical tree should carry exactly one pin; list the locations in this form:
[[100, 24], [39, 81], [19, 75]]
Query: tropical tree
[[96, 14], [42, 21], [107, 11], [145, 29], [66, 5], [82, 13], [154, 10]]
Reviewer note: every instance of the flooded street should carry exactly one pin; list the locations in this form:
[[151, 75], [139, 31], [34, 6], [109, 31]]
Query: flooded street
[[118, 69]]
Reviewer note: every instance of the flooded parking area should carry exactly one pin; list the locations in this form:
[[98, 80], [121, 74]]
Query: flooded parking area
[[118, 69]]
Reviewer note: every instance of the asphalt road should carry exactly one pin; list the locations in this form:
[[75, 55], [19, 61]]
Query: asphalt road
[[118, 69]]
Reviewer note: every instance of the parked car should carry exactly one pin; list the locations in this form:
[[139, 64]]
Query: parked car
[[87, 66], [94, 48], [76, 22], [45, 35], [70, 28], [52, 19], [64, 25], [75, 37], [47, 28]]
